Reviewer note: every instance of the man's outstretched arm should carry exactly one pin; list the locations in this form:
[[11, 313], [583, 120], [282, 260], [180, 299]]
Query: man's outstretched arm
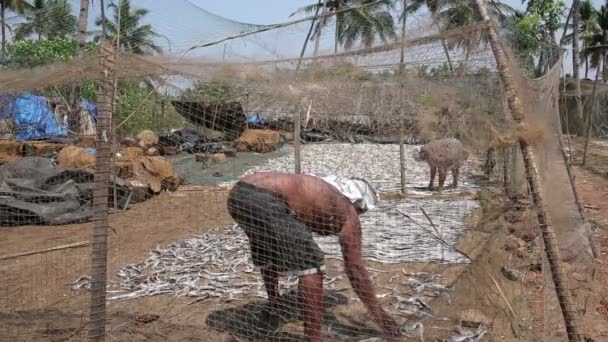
[[350, 241]]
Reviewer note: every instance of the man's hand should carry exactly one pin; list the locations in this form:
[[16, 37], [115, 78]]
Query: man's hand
[[389, 327], [350, 240]]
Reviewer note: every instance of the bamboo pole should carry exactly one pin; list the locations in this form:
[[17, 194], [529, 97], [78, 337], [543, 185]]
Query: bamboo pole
[[46, 250], [99, 245], [548, 234], [402, 139]]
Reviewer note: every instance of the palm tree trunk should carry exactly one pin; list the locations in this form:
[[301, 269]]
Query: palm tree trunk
[[403, 21], [586, 67], [2, 16], [320, 25], [447, 55], [312, 26], [589, 122], [74, 115], [576, 60], [103, 18], [337, 35], [568, 309], [82, 23]]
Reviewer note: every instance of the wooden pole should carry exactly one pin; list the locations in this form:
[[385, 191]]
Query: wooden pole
[[403, 22], [99, 245], [296, 140], [568, 309], [402, 155], [402, 140]]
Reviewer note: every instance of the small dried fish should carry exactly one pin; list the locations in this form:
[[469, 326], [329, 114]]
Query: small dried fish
[[469, 336]]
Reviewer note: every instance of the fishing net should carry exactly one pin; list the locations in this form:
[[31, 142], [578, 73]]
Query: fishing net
[[225, 221]]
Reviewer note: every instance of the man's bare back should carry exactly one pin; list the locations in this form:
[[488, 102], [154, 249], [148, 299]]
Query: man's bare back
[[316, 203]]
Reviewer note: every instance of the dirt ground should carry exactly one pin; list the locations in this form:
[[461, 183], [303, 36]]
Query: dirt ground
[[39, 285], [597, 154]]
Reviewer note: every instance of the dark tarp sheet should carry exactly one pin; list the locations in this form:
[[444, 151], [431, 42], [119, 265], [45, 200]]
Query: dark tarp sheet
[[34, 191]]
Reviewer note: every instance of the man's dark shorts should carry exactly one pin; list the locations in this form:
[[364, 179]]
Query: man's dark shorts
[[277, 239]]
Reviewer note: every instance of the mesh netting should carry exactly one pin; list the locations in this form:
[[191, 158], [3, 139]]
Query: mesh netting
[[368, 185]]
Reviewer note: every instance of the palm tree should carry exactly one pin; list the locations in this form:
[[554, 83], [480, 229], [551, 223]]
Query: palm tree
[[50, 19], [596, 42], [17, 6], [586, 22], [125, 26], [83, 18], [451, 14], [364, 24]]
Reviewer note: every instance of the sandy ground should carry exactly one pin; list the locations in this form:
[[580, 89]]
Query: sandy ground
[[37, 304]]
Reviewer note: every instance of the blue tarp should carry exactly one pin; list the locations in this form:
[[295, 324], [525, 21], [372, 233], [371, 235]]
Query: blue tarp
[[32, 116], [257, 119]]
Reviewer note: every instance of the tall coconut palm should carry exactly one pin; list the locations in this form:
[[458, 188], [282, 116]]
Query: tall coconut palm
[[596, 42], [17, 6], [328, 6], [133, 37], [83, 21], [586, 22], [364, 24], [451, 14], [49, 19]]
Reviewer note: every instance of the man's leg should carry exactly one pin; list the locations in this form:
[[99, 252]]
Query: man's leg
[[271, 282], [311, 299]]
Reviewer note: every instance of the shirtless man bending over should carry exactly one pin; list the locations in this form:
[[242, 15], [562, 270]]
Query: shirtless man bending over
[[278, 212]]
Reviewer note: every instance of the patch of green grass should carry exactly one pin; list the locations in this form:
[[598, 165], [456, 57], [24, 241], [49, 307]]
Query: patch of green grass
[[595, 225], [425, 100]]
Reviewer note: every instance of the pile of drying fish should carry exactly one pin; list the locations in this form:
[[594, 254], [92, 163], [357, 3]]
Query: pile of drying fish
[[378, 163], [218, 264]]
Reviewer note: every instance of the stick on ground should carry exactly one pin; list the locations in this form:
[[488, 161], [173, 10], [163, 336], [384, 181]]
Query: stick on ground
[[52, 249]]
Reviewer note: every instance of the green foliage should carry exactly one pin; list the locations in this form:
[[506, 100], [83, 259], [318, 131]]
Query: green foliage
[[29, 53], [525, 37], [143, 108], [134, 37], [549, 12], [425, 100], [363, 25], [51, 19], [532, 35]]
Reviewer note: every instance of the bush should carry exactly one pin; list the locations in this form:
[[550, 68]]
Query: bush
[[143, 108], [32, 53]]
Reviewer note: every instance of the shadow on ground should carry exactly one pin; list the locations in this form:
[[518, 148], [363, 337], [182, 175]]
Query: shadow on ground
[[256, 322]]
